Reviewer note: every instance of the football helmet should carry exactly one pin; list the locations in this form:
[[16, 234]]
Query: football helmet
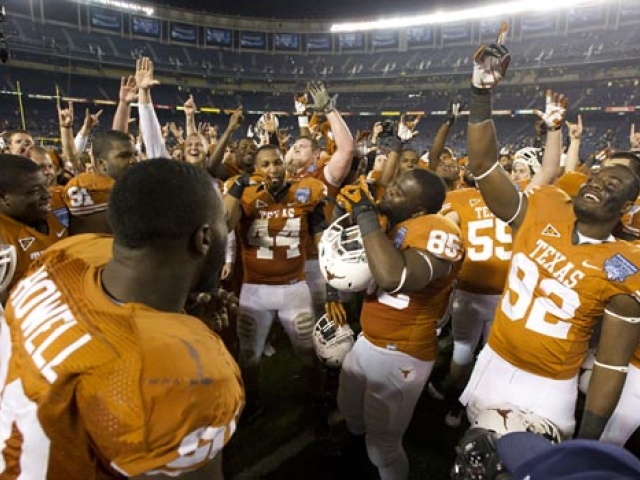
[[513, 419], [331, 342], [343, 261], [8, 261], [476, 456], [530, 156]]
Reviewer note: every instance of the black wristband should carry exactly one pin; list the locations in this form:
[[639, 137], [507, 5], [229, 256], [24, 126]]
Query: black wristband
[[479, 105], [368, 222], [236, 190]]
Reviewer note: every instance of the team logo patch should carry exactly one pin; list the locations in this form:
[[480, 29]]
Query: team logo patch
[[303, 195], [550, 231], [399, 238], [618, 268], [473, 202], [260, 204], [26, 242], [312, 168]]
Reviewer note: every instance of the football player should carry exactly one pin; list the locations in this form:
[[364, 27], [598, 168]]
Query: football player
[[86, 194], [304, 162], [487, 242], [276, 218], [567, 271], [26, 220], [414, 264], [103, 374]]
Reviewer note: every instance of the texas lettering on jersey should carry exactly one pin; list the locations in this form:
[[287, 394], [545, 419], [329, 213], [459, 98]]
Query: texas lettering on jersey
[[557, 290]]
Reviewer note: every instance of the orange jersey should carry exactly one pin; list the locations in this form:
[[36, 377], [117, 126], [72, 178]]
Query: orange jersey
[[29, 242], [570, 182], [407, 322], [58, 207], [487, 243], [96, 389], [87, 193], [556, 291], [273, 232]]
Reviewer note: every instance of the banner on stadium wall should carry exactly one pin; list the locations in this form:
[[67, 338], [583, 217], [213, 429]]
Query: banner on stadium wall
[[184, 32], [320, 42], [106, 19], [586, 16], [253, 40], [619, 109], [286, 41], [538, 22], [145, 26], [419, 35], [219, 36], [459, 31], [384, 39], [351, 41]]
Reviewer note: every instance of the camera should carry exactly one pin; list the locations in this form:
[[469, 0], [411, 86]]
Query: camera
[[388, 128]]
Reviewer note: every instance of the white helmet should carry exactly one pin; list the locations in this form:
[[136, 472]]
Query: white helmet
[[331, 342], [530, 156], [503, 420], [8, 261], [343, 261]]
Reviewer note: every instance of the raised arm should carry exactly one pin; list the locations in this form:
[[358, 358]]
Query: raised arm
[[440, 139], [149, 124], [553, 117], [618, 340], [91, 120], [394, 271], [500, 195], [127, 95], [65, 119], [339, 165], [573, 153], [214, 160]]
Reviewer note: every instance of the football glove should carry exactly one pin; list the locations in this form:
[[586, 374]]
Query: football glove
[[356, 199], [555, 110]]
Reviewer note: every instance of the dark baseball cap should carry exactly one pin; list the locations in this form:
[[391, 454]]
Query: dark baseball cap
[[527, 456]]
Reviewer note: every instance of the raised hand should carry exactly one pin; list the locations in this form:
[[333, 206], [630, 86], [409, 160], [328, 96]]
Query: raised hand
[[490, 63], [575, 129], [65, 115], [322, 101], [555, 110], [405, 129], [144, 74], [269, 122], [190, 107], [356, 199], [453, 111], [128, 90], [91, 120]]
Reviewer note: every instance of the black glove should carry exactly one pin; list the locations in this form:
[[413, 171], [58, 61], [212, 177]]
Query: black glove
[[239, 184], [453, 110]]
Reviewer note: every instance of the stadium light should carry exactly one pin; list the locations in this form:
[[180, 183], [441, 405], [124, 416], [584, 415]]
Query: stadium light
[[476, 13], [126, 6]]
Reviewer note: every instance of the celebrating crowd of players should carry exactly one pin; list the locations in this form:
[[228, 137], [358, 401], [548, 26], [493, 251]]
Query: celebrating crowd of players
[[109, 364]]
